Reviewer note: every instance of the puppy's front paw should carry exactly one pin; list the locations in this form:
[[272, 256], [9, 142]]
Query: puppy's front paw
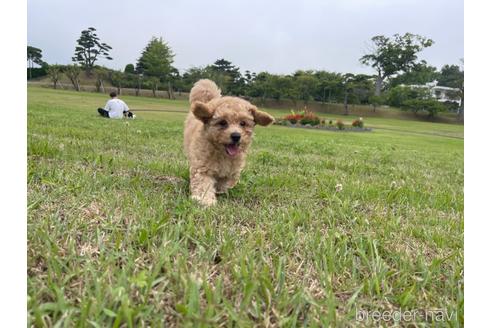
[[221, 189], [205, 201], [224, 184]]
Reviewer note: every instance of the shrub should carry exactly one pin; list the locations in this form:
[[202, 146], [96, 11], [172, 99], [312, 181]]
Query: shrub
[[330, 122], [358, 123], [310, 118], [73, 73], [431, 106], [37, 72], [397, 96], [340, 125], [376, 101], [451, 106], [54, 72], [306, 120]]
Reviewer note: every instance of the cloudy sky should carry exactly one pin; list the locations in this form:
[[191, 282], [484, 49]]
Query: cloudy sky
[[274, 36]]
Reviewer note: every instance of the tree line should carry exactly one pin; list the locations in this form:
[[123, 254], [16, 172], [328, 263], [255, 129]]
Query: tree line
[[394, 60]]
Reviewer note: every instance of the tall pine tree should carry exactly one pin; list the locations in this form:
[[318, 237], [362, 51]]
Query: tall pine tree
[[156, 62], [89, 49]]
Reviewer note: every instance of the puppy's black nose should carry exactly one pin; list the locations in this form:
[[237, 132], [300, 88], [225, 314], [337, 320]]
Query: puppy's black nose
[[235, 136]]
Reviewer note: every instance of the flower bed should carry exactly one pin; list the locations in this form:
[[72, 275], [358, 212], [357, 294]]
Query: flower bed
[[309, 120], [303, 117]]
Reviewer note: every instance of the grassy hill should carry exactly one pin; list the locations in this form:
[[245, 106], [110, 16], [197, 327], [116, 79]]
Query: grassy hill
[[321, 225]]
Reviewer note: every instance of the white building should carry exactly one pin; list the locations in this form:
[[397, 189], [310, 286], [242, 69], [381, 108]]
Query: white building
[[442, 94]]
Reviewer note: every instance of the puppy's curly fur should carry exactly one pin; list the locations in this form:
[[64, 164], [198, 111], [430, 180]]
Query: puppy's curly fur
[[217, 135]]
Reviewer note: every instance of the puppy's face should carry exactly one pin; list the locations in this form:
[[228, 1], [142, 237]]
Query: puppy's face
[[229, 122]]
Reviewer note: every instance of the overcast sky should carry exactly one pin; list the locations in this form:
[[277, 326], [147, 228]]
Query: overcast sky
[[274, 36]]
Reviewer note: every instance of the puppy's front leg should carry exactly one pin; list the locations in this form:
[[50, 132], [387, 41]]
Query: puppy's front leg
[[227, 183], [202, 188]]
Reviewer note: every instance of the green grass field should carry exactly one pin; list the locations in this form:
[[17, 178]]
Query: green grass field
[[114, 239]]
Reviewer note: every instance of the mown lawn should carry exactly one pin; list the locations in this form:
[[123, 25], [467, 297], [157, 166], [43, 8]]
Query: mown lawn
[[114, 240]]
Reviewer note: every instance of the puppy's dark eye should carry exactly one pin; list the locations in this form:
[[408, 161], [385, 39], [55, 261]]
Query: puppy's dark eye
[[223, 123], [242, 123]]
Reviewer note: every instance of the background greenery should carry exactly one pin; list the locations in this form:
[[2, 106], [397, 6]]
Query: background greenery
[[394, 60]]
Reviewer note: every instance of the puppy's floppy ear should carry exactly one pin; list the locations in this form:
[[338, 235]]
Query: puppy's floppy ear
[[261, 118], [202, 111]]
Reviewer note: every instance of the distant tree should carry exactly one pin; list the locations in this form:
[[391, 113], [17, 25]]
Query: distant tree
[[357, 89], [461, 111], [192, 75], [130, 69], [390, 56], [173, 81], [376, 101], [362, 87], [222, 72], [262, 86], [306, 84], [37, 71], [54, 72], [101, 74], [348, 85], [222, 80], [228, 76], [453, 76], [309, 85], [421, 73], [139, 79], [89, 49], [429, 105], [117, 79], [397, 96], [73, 73], [178, 82], [329, 86], [286, 87], [277, 87], [34, 56], [156, 61], [131, 78], [248, 77], [154, 83], [224, 65]]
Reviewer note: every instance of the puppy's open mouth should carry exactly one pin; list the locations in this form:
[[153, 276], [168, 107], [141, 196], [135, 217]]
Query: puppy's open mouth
[[232, 149]]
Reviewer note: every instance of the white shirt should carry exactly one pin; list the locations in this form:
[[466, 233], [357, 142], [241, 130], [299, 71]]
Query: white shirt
[[116, 107]]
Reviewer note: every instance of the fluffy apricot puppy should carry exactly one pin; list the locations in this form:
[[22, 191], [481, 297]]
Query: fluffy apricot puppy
[[217, 134]]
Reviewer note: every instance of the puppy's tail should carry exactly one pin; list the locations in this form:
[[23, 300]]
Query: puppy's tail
[[204, 90]]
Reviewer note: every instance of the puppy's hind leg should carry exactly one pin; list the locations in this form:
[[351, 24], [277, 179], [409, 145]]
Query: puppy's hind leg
[[202, 188]]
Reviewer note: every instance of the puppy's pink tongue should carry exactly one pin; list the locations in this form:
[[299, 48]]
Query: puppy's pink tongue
[[232, 150]]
